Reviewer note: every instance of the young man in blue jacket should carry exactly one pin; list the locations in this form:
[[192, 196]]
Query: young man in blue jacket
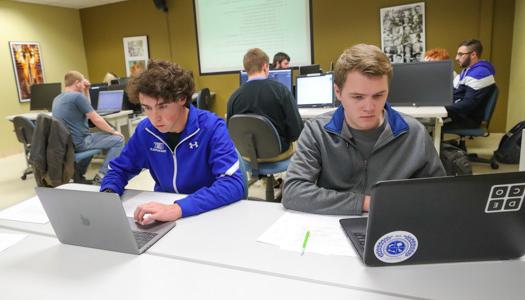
[[186, 150], [472, 87]]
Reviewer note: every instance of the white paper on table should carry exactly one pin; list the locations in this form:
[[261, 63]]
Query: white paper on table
[[132, 203], [326, 234], [30, 210], [9, 239]]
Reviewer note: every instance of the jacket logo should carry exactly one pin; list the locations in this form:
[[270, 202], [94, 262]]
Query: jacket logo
[[158, 147], [194, 145]]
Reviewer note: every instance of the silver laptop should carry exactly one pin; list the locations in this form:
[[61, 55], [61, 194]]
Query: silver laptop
[[110, 102], [97, 220]]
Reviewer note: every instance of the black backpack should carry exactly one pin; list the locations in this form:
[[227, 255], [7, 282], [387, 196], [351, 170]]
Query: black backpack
[[455, 160], [508, 151]]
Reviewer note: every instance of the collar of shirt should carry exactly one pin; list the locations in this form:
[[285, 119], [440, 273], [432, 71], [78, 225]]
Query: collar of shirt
[[257, 78]]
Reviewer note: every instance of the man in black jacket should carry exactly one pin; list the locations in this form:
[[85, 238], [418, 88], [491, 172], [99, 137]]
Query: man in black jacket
[[268, 98]]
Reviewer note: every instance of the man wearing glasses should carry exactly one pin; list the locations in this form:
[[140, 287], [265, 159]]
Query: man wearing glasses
[[472, 87]]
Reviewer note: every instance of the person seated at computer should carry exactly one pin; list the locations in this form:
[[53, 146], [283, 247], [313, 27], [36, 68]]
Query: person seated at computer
[[472, 87], [281, 60], [340, 155], [187, 150], [74, 109], [109, 77], [268, 98]]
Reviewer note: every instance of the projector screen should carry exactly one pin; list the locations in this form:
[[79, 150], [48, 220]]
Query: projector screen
[[226, 29]]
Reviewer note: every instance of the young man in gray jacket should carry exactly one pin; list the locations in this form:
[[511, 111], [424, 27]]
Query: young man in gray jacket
[[341, 154]]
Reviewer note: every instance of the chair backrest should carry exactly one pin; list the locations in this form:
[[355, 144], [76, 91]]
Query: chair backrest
[[489, 108], [242, 167], [255, 137], [24, 129], [204, 98]]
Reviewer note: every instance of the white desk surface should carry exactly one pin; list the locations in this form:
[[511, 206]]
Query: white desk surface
[[226, 237], [40, 267]]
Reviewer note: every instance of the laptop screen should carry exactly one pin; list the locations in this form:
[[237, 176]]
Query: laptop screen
[[110, 100], [315, 91], [284, 76]]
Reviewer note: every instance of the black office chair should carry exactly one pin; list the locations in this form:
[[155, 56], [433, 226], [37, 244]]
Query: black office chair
[[482, 131], [24, 129], [204, 99], [257, 139]]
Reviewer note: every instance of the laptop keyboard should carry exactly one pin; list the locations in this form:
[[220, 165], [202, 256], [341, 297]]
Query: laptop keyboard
[[143, 237], [360, 238]]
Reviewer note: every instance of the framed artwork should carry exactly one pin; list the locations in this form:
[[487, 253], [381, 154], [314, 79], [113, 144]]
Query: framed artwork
[[136, 54], [403, 32], [28, 67]]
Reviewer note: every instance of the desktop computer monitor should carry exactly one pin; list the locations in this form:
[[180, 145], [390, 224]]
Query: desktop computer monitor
[[422, 84], [284, 76], [126, 104], [42, 95], [315, 90], [311, 69]]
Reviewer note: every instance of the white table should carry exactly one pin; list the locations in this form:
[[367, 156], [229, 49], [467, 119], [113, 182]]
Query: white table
[[437, 113], [226, 238], [40, 267], [117, 120]]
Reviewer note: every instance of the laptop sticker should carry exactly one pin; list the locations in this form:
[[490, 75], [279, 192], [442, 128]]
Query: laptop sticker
[[505, 198], [395, 247]]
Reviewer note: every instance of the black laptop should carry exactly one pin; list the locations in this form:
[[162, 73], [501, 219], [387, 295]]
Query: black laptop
[[443, 219]]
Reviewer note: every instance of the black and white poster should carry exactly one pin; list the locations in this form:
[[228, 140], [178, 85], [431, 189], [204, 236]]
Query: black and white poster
[[403, 32]]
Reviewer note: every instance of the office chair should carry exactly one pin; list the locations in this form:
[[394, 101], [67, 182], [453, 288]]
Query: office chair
[[24, 129], [204, 99], [482, 131], [257, 139]]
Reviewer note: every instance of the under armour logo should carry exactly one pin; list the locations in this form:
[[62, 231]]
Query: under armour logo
[[194, 145]]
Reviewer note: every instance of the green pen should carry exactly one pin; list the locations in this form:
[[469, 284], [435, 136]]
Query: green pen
[[306, 236]]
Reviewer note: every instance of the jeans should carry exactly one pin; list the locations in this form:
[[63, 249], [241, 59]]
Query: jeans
[[102, 141]]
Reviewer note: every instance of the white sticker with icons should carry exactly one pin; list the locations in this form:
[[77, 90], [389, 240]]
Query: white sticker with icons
[[505, 198]]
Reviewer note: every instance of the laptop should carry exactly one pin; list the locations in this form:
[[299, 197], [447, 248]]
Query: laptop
[[315, 90], [443, 219], [110, 102], [97, 220]]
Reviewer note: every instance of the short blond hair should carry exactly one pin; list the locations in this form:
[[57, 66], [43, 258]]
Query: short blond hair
[[254, 60], [71, 77], [368, 60]]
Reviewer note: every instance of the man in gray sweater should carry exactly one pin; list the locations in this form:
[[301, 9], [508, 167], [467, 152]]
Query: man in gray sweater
[[341, 154]]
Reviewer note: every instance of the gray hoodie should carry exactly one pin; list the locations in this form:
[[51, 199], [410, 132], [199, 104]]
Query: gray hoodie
[[328, 175]]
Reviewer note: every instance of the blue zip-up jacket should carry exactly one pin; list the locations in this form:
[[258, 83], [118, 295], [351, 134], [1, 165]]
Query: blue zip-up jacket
[[204, 164], [472, 88], [328, 175]]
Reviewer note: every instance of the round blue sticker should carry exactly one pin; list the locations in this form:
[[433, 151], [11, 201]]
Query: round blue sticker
[[395, 246]]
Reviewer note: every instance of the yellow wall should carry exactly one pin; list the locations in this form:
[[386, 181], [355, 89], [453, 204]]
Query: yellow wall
[[59, 34], [516, 108], [337, 24]]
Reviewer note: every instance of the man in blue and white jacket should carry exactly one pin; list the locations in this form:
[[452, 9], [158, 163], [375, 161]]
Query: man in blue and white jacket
[[187, 150], [472, 87]]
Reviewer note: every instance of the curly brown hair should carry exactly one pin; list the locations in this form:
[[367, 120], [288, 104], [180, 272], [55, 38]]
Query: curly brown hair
[[162, 80]]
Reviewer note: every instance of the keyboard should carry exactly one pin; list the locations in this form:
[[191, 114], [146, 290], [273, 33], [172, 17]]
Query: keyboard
[[143, 237]]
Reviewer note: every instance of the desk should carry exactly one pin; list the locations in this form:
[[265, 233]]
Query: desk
[[41, 268], [226, 238], [118, 120], [423, 112]]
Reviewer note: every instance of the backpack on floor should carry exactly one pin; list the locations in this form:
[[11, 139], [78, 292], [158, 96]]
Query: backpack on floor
[[508, 151], [455, 160]]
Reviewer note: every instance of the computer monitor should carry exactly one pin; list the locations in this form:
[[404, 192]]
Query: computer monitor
[[126, 105], [311, 69], [315, 90], [43, 94], [422, 84], [284, 76]]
